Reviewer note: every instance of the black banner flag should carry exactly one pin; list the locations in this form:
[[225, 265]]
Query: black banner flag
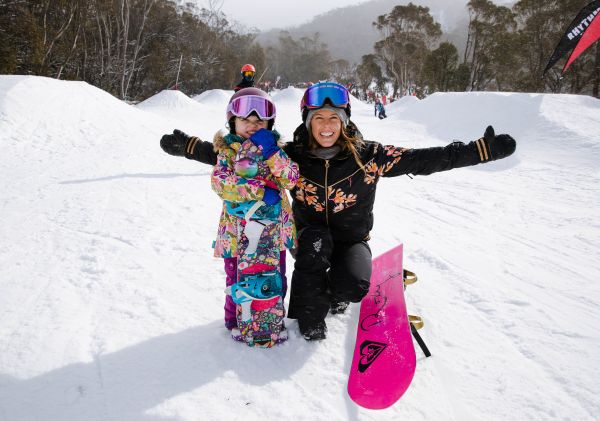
[[583, 32]]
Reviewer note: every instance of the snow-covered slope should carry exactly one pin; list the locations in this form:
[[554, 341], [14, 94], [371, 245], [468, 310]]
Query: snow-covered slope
[[111, 301]]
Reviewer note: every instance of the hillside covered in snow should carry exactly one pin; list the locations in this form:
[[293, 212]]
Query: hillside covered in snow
[[111, 302]]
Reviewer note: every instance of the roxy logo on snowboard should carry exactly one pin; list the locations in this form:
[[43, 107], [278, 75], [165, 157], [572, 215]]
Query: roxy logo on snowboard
[[369, 351]]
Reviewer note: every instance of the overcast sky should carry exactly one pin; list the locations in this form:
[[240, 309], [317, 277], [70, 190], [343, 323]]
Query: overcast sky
[[269, 14]]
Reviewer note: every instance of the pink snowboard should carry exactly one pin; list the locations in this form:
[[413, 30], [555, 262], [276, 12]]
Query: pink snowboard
[[384, 359]]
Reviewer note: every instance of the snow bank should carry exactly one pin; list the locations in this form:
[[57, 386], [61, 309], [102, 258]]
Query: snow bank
[[401, 104], [359, 105], [214, 97], [577, 114], [168, 99], [32, 104], [187, 114], [288, 97]]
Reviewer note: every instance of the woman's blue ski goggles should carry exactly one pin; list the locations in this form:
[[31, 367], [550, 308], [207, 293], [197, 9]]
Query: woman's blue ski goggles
[[317, 95]]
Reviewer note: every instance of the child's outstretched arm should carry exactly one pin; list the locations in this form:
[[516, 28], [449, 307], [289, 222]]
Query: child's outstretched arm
[[282, 167], [180, 144], [394, 161]]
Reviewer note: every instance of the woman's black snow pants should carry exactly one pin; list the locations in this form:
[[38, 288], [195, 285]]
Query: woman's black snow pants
[[327, 271]]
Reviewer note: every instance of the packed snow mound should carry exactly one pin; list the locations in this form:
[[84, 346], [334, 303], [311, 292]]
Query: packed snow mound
[[577, 114], [171, 103], [214, 97], [356, 105], [289, 96], [186, 114], [71, 129], [33, 104], [457, 114], [293, 96], [171, 99], [401, 104]]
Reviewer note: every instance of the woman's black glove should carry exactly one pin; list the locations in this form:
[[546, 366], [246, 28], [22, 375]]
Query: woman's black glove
[[179, 144], [491, 147]]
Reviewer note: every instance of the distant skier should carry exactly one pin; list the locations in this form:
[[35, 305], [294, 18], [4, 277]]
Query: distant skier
[[376, 107], [248, 71], [381, 111]]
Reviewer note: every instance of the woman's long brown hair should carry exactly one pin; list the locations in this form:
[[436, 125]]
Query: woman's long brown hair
[[346, 141]]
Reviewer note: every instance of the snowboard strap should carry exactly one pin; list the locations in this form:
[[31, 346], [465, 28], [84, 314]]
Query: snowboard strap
[[409, 277], [253, 209], [417, 323]]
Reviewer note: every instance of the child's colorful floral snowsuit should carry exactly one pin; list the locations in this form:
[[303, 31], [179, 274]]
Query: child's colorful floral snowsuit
[[255, 243]]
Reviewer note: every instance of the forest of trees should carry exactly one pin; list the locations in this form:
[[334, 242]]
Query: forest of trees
[[130, 48], [135, 48], [506, 50]]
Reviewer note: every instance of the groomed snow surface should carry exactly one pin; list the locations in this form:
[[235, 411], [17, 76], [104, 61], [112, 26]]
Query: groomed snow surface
[[111, 301]]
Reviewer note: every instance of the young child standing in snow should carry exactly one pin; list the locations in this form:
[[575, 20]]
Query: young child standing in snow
[[251, 175]]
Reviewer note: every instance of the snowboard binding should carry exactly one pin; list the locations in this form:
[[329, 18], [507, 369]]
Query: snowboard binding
[[416, 322], [262, 286], [258, 293], [254, 210]]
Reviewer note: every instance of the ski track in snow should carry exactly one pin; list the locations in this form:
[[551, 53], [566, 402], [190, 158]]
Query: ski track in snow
[[111, 301]]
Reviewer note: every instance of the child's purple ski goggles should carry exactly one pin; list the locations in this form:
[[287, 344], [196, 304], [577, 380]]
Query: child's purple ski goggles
[[243, 106]]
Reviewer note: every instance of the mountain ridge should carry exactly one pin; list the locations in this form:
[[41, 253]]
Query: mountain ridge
[[451, 15]]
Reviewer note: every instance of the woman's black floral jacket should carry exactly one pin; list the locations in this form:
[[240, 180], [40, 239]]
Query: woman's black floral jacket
[[339, 194]]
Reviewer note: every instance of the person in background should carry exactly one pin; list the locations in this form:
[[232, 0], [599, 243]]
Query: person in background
[[381, 111], [248, 71]]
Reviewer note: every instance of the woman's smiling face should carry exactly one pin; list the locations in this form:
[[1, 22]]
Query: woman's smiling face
[[326, 127]]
